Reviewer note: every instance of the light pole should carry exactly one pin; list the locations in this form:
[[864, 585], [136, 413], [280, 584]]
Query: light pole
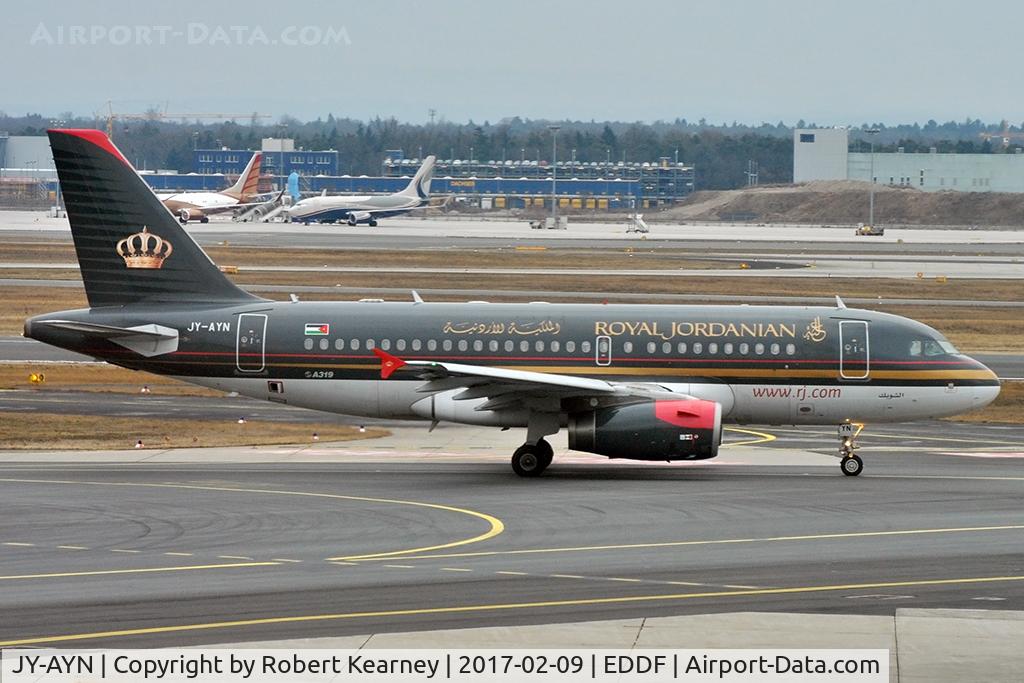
[[554, 173], [871, 195], [58, 123]]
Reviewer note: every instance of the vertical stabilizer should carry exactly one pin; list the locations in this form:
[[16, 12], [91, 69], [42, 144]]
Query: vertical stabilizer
[[130, 248], [419, 186], [247, 185]]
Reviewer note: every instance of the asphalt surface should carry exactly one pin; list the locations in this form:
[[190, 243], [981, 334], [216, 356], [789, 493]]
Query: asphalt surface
[[129, 550]]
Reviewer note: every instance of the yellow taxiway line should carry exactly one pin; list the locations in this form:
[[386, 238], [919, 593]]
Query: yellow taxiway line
[[467, 609], [762, 437], [495, 525], [145, 570], [717, 541]]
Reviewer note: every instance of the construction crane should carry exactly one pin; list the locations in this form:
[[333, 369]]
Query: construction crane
[[157, 115]]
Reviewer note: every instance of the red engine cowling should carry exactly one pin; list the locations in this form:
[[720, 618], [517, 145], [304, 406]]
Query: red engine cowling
[[689, 429]]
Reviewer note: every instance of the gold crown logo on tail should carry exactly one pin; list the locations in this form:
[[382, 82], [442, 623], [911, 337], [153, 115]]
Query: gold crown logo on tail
[[144, 250]]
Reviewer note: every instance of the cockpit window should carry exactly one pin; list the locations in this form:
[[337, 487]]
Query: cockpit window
[[931, 347]]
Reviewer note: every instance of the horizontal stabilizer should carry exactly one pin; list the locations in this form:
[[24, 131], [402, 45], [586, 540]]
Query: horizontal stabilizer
[[145, 340]]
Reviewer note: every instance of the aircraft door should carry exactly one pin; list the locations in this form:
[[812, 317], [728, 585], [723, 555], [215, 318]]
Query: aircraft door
[[250, 354], [603, 350], [854, 350]]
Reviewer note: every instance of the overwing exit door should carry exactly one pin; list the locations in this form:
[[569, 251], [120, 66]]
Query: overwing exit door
[[603, 350]]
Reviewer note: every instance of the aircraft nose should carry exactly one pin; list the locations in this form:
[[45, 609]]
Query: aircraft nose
[[985, 391]]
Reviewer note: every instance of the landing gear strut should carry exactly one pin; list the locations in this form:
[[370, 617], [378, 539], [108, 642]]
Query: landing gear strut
[[849, 462], [529, 460]]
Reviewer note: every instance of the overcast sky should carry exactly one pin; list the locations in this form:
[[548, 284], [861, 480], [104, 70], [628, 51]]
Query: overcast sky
[[827, 62]]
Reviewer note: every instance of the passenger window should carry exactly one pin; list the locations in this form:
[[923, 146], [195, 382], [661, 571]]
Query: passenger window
[[585, 347], [744, 348], [400, 345], [447, 345], [463, 345], [324, 343], [775, 349], [666, 348], [539, 346], [385, 344], [339, 344], [431, 345], [555, 346], [524, 346], [510, 345], [681, 347], [698, 348], [652, 347], [759, 349], [790, 349], [570, 347], [627, 347], [478, 345], [416, 345], [727, 348], [308, 344], [493, 345], [370, 344], [713, 348], [355, 345]]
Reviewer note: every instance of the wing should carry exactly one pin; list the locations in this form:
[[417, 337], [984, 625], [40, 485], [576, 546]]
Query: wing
[[505, 388]]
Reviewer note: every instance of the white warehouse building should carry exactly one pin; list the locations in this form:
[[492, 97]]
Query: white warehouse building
[[822, 154]]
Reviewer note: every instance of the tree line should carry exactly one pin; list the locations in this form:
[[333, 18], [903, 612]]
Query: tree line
[[719, 152]]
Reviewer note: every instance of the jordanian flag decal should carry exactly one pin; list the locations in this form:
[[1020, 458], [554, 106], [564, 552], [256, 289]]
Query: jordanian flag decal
[[317, 329]]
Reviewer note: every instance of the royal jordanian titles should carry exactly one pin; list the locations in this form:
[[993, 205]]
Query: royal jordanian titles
[[626, 381]]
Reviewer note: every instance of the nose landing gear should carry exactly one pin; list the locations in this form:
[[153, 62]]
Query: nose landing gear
[[849, 462]]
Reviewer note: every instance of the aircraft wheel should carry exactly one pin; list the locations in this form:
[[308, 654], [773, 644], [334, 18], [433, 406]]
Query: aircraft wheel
[[204, 219], [529, 461], [851, 465], [373, 224], [545, 452]]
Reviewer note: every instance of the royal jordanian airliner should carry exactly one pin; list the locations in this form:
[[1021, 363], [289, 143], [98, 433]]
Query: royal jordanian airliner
[[626, 381], [199, 206]]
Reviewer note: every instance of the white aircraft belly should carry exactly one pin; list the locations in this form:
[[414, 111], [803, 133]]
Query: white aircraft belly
[[768, 404]]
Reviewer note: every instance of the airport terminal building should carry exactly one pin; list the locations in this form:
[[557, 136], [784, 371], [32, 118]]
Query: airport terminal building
[[523, 183], [824, 154], [28, 175]]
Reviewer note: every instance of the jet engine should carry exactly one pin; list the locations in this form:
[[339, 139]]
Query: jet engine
[[184, 215], [685, 429], [357, 217]]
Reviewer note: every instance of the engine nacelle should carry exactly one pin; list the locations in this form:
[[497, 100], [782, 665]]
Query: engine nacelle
[[184, 215], [687, 429], [357, 217]]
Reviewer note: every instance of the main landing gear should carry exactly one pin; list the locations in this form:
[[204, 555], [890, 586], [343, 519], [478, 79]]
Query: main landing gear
[[849, 462], [529, 460]]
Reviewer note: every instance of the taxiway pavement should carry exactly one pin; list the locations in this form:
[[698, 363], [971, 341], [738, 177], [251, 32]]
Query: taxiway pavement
[[418, 531]]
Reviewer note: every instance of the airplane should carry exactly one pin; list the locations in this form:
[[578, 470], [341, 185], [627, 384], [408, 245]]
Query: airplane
[[198, 206], [367, 209], [643, 382]]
